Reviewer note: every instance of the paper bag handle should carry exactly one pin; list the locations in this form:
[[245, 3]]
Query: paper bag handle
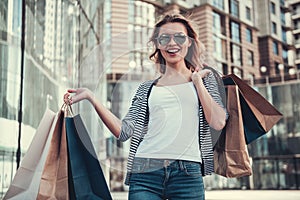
[[67, 108]]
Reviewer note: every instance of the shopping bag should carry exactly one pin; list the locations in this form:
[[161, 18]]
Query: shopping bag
[[86, 179], [25, 183], [54, 180], [231, 158], [259, 116]]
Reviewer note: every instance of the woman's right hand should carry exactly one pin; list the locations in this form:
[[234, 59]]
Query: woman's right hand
[[79, 95]]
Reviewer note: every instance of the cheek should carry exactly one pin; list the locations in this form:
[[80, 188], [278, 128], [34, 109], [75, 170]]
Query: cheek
[[185, 50], [164, 54]]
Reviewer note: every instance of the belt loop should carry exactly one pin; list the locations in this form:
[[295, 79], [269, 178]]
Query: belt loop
[[181, 165], [147, 163]]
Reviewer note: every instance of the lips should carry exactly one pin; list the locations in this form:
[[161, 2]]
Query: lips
[[173, 50]]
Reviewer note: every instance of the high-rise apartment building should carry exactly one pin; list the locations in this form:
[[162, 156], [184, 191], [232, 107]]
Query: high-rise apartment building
[[294, 8], [277, 52]]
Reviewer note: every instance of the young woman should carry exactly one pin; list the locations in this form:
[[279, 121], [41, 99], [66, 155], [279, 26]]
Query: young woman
[[170, 118]]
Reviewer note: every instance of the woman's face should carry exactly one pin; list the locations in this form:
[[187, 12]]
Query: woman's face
[[173, 42]]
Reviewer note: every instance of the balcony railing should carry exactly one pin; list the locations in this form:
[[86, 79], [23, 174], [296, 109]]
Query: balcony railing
[[266, 80]]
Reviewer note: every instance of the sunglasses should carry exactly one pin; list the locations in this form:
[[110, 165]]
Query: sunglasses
[[164, 39]]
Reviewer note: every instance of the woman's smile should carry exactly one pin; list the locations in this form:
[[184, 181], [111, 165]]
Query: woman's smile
[[173, 51]]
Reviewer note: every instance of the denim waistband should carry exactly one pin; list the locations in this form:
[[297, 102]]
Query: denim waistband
[[150, 164]]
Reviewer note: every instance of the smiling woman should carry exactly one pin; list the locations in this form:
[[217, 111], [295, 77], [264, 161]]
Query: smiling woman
[[169, 119]]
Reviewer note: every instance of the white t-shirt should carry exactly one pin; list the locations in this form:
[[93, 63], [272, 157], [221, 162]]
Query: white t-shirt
[[173, 128]]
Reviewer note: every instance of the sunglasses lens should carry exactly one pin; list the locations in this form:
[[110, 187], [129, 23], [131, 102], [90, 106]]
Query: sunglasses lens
[[164, 39], [179, 38]]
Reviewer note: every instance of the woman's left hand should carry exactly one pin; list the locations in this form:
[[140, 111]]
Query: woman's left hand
[[198, 74]]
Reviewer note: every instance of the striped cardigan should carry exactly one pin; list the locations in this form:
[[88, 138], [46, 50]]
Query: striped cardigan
[[135, 124]]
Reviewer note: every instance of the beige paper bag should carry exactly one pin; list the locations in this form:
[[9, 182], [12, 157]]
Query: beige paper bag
[[25, 183]]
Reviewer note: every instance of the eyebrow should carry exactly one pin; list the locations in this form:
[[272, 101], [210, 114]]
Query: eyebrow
[[173, 33]]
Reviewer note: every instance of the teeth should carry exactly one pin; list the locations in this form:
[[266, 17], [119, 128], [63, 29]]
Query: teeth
[[173, 50]]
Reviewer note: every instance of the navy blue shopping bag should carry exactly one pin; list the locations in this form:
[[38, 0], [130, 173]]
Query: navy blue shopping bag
[[86, 179]]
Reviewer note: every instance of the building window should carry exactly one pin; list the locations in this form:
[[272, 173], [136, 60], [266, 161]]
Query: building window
[[248, 13], [3, 15], [225, 69], [219, 4], [285, 55], [250, 58], [217, 47], [236, 55], [284, 36], [275, 48], [274, 28], [282, 18], [237, 71], [249, 35], [234, 8], [217, 23], [235, 32], [273, 8]]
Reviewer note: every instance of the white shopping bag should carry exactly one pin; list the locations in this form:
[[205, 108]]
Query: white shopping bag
[[25, 184]]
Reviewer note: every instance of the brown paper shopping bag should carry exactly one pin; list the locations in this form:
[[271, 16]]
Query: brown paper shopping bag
[[231, 158], [259, 115], [54, 180], [26, 181]]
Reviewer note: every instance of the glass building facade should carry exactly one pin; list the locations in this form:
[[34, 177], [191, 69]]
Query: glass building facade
[[59, 42], [10, 34], [276, 160]]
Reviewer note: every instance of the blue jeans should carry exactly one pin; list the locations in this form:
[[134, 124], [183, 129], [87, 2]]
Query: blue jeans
[[155, 179]]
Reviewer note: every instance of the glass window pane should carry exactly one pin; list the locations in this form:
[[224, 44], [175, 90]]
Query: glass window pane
[[235, 32], [234, 8], [219, 4], [249, 35], [236, 55], [248, 13], [275, 48]]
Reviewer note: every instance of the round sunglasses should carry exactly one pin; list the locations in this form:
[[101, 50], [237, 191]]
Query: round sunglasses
[[164, 39]]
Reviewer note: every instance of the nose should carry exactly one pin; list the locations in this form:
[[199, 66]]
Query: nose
[[172, 41]]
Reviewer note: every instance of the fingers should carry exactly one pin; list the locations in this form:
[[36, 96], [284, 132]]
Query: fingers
[[67, 99], [72, 90], [202, 72], [206, 72]]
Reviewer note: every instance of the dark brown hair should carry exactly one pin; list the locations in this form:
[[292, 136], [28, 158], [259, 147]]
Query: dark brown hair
[[195, 51]]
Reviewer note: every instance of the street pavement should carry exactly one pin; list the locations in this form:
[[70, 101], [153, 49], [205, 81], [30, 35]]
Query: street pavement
[[238, 195]]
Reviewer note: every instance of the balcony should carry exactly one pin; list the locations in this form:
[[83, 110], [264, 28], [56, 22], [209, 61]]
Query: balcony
[[296, 30], [285, 7], [286, 26], [296, 15], [297, 61], [266, 80]]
